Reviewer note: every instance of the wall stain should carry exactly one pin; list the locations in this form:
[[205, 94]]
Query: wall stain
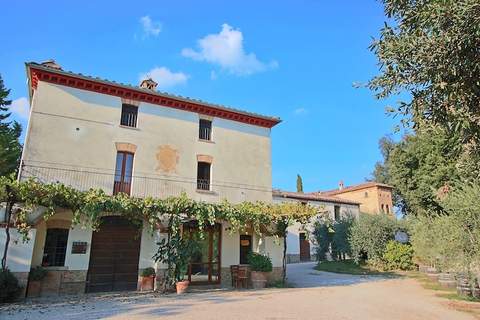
[[167, 159]]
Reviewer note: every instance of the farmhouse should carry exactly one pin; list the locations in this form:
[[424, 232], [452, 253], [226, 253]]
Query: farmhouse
[[87, 132]]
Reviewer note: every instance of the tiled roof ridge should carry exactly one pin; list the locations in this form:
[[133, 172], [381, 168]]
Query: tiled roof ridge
[[160, 93], [315, 196]]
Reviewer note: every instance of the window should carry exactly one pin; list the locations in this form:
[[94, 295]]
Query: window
[[387, 208], [129, 116], [383, 208], [55, 247], [123, 172], [366, 194], [205, 130], [203, 176], [336, 210]]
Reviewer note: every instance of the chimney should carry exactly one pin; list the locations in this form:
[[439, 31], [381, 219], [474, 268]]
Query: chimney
[[148, 84], [51, 64], [341, 185]]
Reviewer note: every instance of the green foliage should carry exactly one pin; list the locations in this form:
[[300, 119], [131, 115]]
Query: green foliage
[[299, 184], [430, 50], [341, 247], [347, 267], [451, 242], [322, 238], [10, 147], [398, 256], [260, 262], [38, 273], [369, 236], [175, 252], [89, 206], [147, 272], [9, 287], [418, 166]]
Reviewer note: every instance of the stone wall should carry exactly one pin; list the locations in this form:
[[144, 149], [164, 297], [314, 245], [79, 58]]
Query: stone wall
[[59, 282]]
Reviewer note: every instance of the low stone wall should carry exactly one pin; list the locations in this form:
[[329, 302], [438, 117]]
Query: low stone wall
[[61, 282]]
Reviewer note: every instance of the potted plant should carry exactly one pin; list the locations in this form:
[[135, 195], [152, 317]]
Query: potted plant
[[261, 266], [35, 281], [147, 279], [176, 253]]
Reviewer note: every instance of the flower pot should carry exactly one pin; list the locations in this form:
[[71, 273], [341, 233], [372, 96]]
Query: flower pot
[[182, 286], [34, 289], [259, 279], [147, 283]]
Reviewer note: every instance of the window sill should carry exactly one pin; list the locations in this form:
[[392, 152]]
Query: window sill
[[127, 127], [207, 141], [205, 191]]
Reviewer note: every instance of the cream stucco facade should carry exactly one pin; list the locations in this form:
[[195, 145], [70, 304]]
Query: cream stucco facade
[[74, 135]]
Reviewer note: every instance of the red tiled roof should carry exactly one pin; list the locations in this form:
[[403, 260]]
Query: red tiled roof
[[311, 197], [353, 188]]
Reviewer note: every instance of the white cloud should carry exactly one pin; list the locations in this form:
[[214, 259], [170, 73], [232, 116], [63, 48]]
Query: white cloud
[[164, 77], [20, 107], [150, 27], [225, 49], [300, 111]]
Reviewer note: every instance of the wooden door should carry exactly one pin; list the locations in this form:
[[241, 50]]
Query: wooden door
[[114, 256], [245, 248], [304, 247]]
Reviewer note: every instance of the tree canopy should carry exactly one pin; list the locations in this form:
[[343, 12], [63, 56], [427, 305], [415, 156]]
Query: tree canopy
[[10, 147], [429, 49]]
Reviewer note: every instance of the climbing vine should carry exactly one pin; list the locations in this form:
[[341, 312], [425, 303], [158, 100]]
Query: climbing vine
[[26, 198]]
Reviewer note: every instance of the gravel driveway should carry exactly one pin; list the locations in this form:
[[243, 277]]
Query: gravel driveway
[[320, 295]]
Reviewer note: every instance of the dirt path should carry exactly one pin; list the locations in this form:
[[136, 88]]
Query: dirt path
[[338, 297]]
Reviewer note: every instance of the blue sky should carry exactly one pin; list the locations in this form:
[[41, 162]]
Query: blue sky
[[294, 59]]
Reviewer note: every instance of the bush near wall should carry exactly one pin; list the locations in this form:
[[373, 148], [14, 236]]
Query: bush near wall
[[398, 256], [369, 236], [9, 286]]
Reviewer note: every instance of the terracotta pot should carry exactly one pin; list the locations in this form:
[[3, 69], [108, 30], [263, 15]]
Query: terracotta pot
[[259, 279], [147, 283], [182, 286], [34, 289]]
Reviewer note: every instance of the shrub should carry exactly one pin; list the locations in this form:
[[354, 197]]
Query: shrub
[[369, 236], [398, 256], [38, 273], [340, 239], [147, 272], [9, 287], [321, 235], [260, 262]]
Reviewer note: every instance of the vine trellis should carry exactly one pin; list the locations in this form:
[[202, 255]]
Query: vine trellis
[[21, 198]]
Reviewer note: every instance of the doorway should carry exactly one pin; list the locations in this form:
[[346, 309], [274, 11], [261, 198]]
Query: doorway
[[304, 247], [114, 256], [245, 247], [204, 267]]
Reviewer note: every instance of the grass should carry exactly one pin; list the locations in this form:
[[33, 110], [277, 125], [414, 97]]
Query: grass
[[280, 284], [348, 267]]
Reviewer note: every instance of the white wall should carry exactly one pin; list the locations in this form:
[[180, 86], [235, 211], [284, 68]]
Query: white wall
[[19, 255], [78, 261], [293, 238]]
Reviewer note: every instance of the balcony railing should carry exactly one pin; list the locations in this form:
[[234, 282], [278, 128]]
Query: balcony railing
[[157, 186]]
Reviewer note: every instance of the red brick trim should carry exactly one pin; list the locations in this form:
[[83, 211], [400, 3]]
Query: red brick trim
[[142, 96]]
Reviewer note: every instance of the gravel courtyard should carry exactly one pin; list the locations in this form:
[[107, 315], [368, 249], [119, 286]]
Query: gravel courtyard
[[318, 295]]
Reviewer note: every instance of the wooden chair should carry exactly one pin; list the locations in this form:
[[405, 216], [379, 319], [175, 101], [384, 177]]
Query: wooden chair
[[242, 277], [234, 274]]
